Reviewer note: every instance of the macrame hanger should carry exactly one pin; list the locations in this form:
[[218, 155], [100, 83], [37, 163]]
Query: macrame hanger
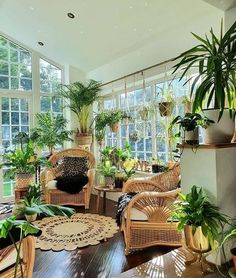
[[113, 96], [144, 87]]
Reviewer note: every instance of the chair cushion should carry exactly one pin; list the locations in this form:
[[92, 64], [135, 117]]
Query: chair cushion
[[71, 184], [52, 184], [137, 215], [73, 166]]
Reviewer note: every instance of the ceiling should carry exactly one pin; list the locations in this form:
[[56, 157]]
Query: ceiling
[[101, 31]]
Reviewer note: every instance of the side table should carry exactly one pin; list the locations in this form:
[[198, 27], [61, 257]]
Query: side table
[[104, 190], [20, 193]]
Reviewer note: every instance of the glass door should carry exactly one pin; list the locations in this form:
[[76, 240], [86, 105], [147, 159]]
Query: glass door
[[14, 118]]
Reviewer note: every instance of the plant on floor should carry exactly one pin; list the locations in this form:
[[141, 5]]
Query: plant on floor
[[80, 97], [194, 209], [50, 131], [215, 60], [31, 205]]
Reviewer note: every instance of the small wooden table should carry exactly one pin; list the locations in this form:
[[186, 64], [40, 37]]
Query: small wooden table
[[104, 190]]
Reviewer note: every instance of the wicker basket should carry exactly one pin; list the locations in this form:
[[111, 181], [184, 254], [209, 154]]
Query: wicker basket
[[84, 139], [24, 180]]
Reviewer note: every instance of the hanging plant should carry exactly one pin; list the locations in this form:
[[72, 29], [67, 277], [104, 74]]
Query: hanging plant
[[134, 136], [167, 103], [144, 113]]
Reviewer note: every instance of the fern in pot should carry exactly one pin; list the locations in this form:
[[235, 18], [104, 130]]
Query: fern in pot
[[79, 98], [215, 83]]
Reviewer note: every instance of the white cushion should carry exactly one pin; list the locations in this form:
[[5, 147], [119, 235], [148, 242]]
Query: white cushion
[[52, 184], [136, 214], [9, 260]]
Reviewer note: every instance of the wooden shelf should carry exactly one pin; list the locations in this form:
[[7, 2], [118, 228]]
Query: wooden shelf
[[207, 146]]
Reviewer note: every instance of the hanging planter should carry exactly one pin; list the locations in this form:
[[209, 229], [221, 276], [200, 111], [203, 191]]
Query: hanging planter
[[165, 108], [115, 127], [134, 136], [144, 113]]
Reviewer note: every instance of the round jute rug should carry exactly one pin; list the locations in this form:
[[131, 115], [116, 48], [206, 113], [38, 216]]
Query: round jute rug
[[62, 233]]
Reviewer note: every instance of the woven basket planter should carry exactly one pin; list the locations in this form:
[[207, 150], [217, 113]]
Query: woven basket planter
[[84, 139], [24, 180]]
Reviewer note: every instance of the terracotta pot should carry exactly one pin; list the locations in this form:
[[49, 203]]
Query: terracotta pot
[[233, 252], [23, 180], [84, 139], [219, 132], [165, 108], [31, 218], [196, 242], [115, 127]]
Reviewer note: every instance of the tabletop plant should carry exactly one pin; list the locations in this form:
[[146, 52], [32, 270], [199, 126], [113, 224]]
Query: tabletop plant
[[50, 131], [215, 60], [194, 209], [79, 98]]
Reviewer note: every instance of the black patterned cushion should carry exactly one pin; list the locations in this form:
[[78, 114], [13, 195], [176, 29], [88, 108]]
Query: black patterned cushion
[[73, 166], [71, 184]]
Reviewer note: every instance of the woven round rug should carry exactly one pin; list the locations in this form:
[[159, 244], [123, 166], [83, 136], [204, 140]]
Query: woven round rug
[[63, 233]]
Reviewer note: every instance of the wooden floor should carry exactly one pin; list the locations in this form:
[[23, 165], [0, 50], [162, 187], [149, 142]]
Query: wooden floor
[[103, 260]]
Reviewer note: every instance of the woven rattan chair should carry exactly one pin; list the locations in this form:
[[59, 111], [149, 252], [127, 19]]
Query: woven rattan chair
[[55, 196], [8, 257], [145, 221]]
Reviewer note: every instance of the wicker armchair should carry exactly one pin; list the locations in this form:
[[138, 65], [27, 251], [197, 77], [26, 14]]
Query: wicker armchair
[[8, 258], [145, 221], [55, 196]]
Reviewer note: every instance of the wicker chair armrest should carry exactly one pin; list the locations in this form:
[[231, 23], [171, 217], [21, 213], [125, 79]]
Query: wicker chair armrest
[[156, 205], [91, 179], [140, 186], [46, 176]]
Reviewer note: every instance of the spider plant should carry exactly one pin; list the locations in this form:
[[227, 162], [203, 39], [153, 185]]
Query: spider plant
[[215, 59]]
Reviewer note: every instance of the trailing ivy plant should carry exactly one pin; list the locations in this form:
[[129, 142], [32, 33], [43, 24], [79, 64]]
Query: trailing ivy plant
[[196, 210]]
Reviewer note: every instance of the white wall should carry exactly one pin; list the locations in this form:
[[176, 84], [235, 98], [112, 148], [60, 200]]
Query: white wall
[[167, 45], [230, 17]]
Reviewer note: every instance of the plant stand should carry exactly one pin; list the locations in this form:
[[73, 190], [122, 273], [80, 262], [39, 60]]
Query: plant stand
[[213, 168]]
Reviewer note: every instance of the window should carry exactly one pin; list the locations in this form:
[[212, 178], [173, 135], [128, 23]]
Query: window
[[15, 66], [50, 80], [155, 139]]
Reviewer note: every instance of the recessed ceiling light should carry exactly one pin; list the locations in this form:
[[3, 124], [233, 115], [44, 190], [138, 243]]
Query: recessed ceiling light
[[41, 43], [71, 15]]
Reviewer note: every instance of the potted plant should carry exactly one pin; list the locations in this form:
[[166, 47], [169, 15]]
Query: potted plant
[[50, 131], [167, 103], [113, 119], [31, 205], [214, 84], [189, 124], [80, 97], [108, 171], [200, 220], [21, 163], [101, 122], [129, 167]]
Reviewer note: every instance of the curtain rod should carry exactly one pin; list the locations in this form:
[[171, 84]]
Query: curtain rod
[[139, 71]]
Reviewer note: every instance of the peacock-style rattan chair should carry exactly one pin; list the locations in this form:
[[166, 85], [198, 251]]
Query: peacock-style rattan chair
[[55, 196], [145, 221], [8, 258]]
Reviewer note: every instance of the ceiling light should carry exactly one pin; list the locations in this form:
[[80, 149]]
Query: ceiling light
[[41, 43], [71, 15]]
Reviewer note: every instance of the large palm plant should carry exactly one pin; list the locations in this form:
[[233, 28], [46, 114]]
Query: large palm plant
[[50, 131], [79, 97], [215, 59]]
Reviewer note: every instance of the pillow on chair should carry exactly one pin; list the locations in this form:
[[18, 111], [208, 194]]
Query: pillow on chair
[[73, 166], [71, 184]]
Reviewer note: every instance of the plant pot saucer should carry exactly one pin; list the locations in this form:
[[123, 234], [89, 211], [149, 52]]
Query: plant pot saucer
[[232, 272]]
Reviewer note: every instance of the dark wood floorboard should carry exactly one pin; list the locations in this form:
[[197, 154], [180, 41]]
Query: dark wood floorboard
[[100, 261]]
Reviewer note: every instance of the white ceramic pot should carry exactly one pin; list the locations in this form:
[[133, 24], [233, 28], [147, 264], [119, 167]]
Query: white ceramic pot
[[191, 137], [219, 132], [31, 218]]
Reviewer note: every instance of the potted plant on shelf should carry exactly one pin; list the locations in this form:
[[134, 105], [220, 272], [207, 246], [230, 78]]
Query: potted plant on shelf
[[50, 131], [189, 124], [80, 97], [108, 171], [20, 164], [200, 220], [214, 84]]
